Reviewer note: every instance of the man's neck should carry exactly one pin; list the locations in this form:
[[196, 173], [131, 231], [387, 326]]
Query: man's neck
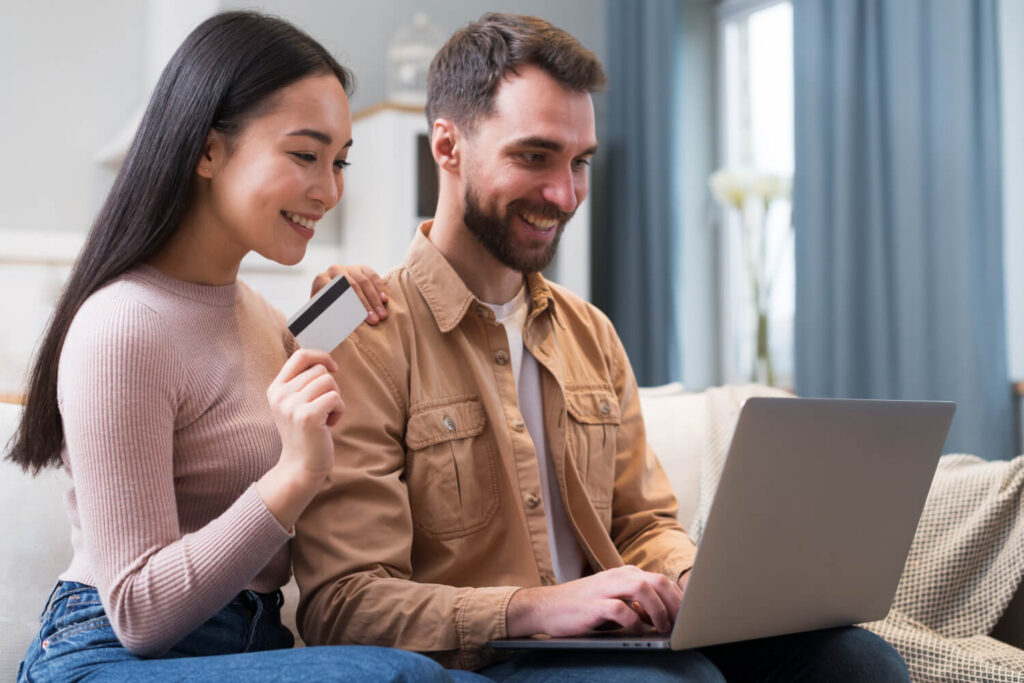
[[488, 278]]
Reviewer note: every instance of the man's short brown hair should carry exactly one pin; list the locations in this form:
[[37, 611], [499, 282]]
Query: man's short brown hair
[[466, 72]]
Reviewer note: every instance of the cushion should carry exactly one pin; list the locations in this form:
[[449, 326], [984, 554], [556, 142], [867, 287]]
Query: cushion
[[36, 546], [675, 422]]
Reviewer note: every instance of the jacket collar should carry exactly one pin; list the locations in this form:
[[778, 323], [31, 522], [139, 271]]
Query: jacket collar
[[447, 296]]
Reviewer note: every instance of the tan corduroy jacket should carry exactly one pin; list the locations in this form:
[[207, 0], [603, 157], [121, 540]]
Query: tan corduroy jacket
[[432, 517]]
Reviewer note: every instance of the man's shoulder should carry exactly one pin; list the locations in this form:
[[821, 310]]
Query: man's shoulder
[[405, 308]]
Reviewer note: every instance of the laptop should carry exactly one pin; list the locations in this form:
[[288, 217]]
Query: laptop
[[810, 525]]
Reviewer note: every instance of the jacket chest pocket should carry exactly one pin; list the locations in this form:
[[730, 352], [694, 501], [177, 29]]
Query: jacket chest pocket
[[450, 468], [594, 417]]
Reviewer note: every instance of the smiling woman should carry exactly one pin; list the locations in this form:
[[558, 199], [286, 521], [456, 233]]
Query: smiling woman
[[151, 384]]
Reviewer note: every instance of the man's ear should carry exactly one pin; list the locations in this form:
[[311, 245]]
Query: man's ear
[[215, 152], [445, 145]]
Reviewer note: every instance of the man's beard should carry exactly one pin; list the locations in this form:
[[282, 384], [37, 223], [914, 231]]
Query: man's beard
[[495, 232]]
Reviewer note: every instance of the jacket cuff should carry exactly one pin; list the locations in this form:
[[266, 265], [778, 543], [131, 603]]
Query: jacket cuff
[[481, 615]]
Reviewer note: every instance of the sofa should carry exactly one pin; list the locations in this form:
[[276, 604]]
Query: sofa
[[36, 544]]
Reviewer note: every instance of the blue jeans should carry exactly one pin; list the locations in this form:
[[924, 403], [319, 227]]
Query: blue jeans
[[834, 655], [245, 641]]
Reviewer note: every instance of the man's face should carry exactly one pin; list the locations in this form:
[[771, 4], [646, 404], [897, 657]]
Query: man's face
[[526, 168]]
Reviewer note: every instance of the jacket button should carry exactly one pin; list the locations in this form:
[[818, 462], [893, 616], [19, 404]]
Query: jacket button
[[518, 426], [449, 423], [500, 357], [531, 500], [605, 407]]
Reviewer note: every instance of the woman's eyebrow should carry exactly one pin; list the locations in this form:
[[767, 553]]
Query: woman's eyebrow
[[317, 135]]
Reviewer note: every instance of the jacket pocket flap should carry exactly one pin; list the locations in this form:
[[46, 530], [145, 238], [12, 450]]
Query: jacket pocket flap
[[593, 406], [435, 424]]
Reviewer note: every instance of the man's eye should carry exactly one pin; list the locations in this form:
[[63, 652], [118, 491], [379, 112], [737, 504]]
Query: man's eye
[[580, 163], [533, 157]]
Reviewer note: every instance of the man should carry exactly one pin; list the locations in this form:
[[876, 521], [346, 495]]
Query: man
[[492, 474]]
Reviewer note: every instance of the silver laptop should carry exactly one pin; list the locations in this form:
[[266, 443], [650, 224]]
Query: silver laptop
[[810, 526]]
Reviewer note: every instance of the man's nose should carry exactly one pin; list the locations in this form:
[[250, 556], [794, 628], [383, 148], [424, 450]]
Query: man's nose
[[561, 191]]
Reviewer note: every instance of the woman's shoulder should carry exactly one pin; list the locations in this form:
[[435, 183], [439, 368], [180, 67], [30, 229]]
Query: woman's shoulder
[[124, 303], [120, 321]]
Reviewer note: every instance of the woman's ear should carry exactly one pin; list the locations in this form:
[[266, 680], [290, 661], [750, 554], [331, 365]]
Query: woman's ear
[[213, 155], [445, 145]]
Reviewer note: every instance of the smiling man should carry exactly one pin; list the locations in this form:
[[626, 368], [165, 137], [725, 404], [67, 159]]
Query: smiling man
[[492, 476]]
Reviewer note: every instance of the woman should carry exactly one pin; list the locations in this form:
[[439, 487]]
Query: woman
[[151, 382]]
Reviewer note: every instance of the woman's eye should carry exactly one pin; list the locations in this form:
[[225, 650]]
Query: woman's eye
[[304, 156], [341, 164]]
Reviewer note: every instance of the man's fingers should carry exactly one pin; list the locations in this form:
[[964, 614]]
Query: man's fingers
[[669, 592], [623, 614], [651, 604]]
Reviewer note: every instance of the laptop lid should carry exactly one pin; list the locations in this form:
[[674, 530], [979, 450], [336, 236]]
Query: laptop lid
[[813, 517]]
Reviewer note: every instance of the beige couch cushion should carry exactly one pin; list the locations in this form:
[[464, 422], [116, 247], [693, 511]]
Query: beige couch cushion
[[675, 422], [36, 547]]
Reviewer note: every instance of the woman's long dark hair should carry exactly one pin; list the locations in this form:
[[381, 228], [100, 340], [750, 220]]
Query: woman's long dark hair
[[227, 69]]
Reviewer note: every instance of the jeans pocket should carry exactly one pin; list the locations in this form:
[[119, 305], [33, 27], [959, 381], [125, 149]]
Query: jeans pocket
[[84, 632], [73, 604]]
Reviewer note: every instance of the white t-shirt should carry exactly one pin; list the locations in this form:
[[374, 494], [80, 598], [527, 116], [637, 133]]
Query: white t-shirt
[[566, 556]]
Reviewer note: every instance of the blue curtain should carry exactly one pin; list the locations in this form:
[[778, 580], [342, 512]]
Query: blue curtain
[[636, 207], [898, 209]]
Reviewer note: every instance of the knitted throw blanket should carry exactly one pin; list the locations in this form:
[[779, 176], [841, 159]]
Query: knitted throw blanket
[[964, 566]]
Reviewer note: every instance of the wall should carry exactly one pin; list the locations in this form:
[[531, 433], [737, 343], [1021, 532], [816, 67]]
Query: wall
[[74, 73]]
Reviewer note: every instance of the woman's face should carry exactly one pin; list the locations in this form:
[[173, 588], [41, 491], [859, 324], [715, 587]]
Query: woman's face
[[270, 184]]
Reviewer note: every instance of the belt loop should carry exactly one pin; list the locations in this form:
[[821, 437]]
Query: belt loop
[[49, 599], [256, 618]]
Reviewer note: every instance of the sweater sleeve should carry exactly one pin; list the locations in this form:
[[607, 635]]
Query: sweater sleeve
[[119, 388]]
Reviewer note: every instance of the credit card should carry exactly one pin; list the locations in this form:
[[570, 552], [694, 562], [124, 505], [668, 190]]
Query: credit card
[[328, 317]]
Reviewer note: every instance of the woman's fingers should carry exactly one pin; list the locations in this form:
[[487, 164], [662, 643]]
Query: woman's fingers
[[299, 362], [367, 284], [323, 279], [369, 287]]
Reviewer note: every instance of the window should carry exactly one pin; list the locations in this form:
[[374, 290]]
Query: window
[[756, 105]]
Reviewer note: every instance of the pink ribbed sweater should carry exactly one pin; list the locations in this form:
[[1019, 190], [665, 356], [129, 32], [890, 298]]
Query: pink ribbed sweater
[[162, 391]]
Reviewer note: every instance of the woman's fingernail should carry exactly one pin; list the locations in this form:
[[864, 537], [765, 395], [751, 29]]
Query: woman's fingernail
[[381, 312]]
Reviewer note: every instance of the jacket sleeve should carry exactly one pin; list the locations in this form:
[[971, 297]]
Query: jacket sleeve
[[354, 543], [644, 526]]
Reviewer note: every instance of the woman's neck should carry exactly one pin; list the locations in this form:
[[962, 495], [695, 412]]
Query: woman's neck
[[199, 253]]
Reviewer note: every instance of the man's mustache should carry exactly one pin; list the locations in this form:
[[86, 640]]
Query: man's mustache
[[541, 209]]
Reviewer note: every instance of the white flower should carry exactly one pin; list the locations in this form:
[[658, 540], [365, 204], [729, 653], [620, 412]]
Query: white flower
[[772, 186], [733, 186]]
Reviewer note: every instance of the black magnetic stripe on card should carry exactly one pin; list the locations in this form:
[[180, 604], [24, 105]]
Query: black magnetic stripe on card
[[319, 306]]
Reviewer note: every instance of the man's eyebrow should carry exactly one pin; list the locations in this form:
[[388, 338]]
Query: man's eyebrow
[[548, 144], [317, 135]]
